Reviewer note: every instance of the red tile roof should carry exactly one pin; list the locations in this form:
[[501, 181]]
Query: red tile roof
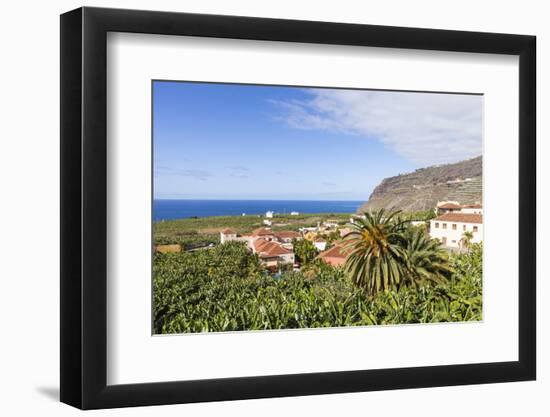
[[337, 251], [287, 234], [259, 244], [229, 232], [460, 218], [269, 249], [262, 231]]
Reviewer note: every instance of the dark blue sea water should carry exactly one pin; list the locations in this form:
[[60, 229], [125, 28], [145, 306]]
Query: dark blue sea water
[[180, 209]]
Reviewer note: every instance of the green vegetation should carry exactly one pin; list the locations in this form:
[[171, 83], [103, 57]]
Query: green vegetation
[[425, 259], [377, 255], [467, 238], [423, 215], [386, 253], [226, 288], [197, 232], [305, 251]]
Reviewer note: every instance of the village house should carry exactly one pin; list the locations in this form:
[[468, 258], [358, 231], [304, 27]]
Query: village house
[[443, 207], [449, 228], [262, 232], [227, 235], [286, 236], [472, 209], [309, 232], [331, 224], [336, 255], [273, 248], [320, 243], [271, 253]]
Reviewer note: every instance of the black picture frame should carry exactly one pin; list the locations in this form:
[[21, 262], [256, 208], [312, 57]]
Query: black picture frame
[[84, 207]]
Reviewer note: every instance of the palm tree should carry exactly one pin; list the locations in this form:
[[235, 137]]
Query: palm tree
[[467, 237], [426, 260], [377, 258]]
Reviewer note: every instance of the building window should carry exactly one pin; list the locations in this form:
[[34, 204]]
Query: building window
[[454, 226], [475, 228], [464, 227], [437, 225], [444, 225]]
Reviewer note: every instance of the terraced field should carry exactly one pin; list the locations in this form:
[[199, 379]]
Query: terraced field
[[422, 189]]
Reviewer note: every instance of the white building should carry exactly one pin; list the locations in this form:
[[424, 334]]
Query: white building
[[320, 244], [472, 209], [449, 228], [227, 235], [329, 224], [294, 213], [447, 207], [269, 214]]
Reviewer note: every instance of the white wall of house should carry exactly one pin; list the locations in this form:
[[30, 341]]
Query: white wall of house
[[234, 238], [320, 245], [470, 210], [227, 237], [450, 233], [288, 258], [274, 261]]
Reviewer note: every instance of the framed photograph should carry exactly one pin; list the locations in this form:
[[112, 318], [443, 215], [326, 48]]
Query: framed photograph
[[258, 208]]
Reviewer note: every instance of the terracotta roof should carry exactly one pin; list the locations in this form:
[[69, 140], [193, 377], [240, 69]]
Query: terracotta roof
[[337, 251], [268, 249], [478, 206], [229, 232], [262, 231], [286, 234], [460, 218], [259, 244], [449, 206]]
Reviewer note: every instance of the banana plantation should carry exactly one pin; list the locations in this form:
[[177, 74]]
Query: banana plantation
[[394, 276]]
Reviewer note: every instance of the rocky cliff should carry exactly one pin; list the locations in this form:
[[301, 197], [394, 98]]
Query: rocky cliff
[[423, 188]]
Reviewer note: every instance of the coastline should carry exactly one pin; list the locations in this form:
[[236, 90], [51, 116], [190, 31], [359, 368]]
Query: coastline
[[172, 209]]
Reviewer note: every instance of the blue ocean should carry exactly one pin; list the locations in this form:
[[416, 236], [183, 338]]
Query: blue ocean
[[181, 209]]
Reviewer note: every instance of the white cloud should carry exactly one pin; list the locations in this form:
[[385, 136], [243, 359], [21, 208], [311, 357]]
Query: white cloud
[[425, 128]]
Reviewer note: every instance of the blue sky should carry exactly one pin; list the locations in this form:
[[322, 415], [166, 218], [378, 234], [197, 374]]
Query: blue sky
[[227, 141]]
